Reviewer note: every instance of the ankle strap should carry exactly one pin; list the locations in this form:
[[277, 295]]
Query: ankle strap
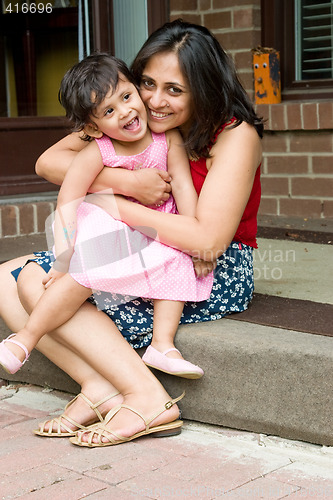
[[169, 350], [16, 342], [167, 406]]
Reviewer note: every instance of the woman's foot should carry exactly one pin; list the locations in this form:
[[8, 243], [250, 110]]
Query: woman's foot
[[79, 413], [13, 354], [172, 362], [136, 417]]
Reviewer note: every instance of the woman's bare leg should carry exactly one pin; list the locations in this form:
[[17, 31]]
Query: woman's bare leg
[[97, 341], [93, 385], [54, 308]]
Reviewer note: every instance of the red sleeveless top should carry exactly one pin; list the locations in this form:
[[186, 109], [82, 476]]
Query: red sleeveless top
[[247, 229]]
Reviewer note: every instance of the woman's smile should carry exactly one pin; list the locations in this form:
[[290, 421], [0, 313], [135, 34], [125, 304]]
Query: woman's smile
[[158, 114], [166, 94]]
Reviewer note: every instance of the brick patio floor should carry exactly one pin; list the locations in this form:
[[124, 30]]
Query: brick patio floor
[[205, 461]]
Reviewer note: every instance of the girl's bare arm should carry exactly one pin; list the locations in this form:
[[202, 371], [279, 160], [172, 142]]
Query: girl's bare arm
[[182, 186], [148, 186]]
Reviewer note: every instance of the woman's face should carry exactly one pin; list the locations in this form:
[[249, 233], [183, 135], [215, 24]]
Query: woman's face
[[166, 94]]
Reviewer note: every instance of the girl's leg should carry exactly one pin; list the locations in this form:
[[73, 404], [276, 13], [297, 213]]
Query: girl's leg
[[93, 385], [55, 306], [162, 354], [95, 339], [167, 315]]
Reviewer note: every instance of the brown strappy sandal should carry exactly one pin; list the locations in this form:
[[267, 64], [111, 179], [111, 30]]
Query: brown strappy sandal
[[100, 431], [61, 424]]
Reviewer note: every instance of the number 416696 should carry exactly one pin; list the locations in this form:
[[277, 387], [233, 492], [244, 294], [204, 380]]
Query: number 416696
[[32, 8]]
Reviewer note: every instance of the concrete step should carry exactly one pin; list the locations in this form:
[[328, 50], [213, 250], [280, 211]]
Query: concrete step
[[260, 376]]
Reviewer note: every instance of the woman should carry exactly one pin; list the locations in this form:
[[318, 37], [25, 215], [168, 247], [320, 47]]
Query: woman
[[186, 81]]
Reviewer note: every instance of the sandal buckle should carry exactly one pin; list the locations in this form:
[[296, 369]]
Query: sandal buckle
[[168, 405]]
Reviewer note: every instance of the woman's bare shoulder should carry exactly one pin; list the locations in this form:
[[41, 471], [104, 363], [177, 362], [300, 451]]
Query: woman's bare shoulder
[[235, 143]]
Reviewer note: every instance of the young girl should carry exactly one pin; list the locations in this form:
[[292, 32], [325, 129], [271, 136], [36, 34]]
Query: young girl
[[93, 250]]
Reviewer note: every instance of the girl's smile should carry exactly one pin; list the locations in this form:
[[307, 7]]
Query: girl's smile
[[121, 115]]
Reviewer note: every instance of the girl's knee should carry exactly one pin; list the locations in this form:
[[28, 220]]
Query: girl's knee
[[29, 285]]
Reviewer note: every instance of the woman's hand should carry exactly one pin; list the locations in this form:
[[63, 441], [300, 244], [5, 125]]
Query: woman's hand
[[202, 268], [151, 186]]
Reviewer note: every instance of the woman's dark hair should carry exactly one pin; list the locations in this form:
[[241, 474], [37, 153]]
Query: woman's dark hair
[[86, 85], [217, 94]]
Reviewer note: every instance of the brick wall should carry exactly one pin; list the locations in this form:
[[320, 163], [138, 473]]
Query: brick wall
[[236, 25], [19, 219], [297, 171]]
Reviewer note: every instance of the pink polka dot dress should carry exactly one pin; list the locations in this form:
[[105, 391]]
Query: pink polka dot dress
[[110, 256]]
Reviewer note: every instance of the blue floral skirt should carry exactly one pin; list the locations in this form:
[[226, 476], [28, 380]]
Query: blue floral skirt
[[232, 292]]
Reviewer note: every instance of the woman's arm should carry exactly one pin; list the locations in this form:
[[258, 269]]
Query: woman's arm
[[148, 186], [183, 191], [222, 201]]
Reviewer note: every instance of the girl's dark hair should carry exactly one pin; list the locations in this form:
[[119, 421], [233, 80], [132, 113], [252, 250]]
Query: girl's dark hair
[[217, 94], [86, 85]]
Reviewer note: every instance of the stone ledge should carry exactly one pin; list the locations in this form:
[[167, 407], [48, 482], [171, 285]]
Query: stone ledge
[[257, 378]]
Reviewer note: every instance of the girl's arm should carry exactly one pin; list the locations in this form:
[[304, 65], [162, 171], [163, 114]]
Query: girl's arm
[[84, 168], [148, 186], [222, 201], [182, 186]]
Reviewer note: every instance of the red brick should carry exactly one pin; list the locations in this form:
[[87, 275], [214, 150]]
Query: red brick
[[318, 142], [50, 481], [204, 5], [300, 207], [180, 5], [217, 20], [189, 18], [310, 117], [243, 60], [278, 121], [263, 110], [274, 186], [325, 112], [274, 142], [9, 217], [294, 119], [26, 211], [223, 4], [246, 18], [303, 186], [44, 209], [322, 164], [238, 40], [287, 164], [328, 208], [246, 80], [268, 206]]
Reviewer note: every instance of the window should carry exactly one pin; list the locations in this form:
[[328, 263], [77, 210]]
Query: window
[[39, 41], [302, 30]]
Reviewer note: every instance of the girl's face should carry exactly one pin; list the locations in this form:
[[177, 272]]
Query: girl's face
[[166, 94], [121, 115]]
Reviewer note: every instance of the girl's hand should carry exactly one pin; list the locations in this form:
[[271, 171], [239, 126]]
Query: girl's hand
[[51, 277], [152, 186], [203, 268]]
